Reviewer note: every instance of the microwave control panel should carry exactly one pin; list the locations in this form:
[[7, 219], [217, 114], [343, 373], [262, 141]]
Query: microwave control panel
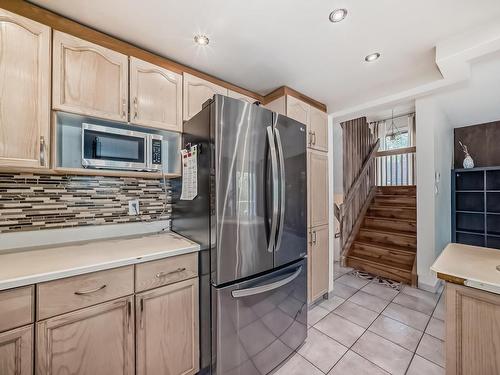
[[156, 151]]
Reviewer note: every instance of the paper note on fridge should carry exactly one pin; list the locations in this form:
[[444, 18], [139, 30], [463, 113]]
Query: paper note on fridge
[[189, 173]]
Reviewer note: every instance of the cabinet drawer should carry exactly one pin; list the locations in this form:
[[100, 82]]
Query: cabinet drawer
[[61, 296], [16, 307], [165, 271]]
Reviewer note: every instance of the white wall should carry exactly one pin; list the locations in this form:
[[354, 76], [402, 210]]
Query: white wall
[[434, 162], [331, 228], [336, 180]]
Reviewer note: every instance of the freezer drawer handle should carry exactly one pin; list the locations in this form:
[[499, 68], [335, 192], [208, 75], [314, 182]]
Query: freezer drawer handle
[[266, 288]]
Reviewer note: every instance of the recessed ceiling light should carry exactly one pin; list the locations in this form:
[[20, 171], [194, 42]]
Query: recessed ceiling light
[[372, 57], [202, 40], [338, 15]]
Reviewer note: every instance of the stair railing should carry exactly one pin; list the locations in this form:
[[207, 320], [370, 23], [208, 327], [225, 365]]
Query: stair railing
[[396, 167], [352, 210]]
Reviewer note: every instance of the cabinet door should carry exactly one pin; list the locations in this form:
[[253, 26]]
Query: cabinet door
[[472, 331], [277, 105], [318, 262], [98, 340], [155, 96], [318, 130], [237, 95], [89, 79], [24, 92], [317, 188], [196, 92], [167, 330], [298, 110], [16, 351]]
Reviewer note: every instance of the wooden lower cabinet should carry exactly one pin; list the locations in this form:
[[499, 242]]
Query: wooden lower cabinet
[[97, 340], [167, 330], [16, 351], [472, 331], [318, 254]]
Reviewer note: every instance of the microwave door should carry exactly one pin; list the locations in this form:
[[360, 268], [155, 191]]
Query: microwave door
[[112, 148]]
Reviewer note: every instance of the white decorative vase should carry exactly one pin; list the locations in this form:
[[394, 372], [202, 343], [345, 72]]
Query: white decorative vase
[[468, 162]]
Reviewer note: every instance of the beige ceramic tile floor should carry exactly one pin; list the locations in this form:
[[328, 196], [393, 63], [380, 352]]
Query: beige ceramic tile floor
[[372, 329]]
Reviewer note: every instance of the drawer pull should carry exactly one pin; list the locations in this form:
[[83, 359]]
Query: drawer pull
[[84, 292], [159, 275]]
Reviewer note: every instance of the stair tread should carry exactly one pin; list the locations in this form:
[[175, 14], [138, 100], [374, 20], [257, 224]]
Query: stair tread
[[389, 218], [389, 247], [385, 263], [388, 231], [378, 195], [390, 207]]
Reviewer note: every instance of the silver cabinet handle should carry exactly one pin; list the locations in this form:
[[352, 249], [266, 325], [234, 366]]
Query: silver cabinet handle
[[266, 288], [159, 275], [309, 142], [136, 108], [124, 108], [84, 292], [314, 138], [310, 238], [42, 151], [315, 238], [274, 167], [283, 189]]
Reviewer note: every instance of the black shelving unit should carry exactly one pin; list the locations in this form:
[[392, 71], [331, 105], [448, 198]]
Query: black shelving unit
[[476, 206]]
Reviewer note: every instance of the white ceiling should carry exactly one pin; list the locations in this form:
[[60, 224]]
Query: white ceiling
[[261, 45], [476, 101]]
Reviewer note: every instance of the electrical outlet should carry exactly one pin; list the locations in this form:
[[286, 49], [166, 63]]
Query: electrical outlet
[[133, 207]]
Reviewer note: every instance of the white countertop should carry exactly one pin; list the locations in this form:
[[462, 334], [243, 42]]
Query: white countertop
[[476, 266], [38, 265]]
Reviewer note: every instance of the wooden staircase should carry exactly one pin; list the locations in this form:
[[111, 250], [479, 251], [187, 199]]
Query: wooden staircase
[[386, 242]]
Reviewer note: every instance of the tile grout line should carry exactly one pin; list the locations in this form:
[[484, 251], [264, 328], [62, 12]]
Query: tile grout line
[[365, 329], [377, 335], [413, 352], [419, 341]]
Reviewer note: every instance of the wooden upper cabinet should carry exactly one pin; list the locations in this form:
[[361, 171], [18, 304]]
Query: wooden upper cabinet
[[16, 351], [317, 188], [196, 92], [24, 92], [318, 130], [98, 340], [167, 330], [237, 95], [318, 254], [89, 79], [278, 105], [155, 96], [298, 110]]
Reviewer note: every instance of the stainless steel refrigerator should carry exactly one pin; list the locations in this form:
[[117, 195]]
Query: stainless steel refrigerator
[[250, 217]]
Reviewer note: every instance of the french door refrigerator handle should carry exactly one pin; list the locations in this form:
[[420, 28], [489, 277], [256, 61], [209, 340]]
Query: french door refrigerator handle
[[283, 188], [274, 167], [267, 287]]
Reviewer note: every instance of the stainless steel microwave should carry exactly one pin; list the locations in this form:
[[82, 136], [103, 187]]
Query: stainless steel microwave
[[112, 148]]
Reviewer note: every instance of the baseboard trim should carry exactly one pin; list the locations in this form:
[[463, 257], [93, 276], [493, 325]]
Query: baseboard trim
[[433, 288]]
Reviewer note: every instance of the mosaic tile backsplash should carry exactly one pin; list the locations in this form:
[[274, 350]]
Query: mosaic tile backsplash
[[35, 202]]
